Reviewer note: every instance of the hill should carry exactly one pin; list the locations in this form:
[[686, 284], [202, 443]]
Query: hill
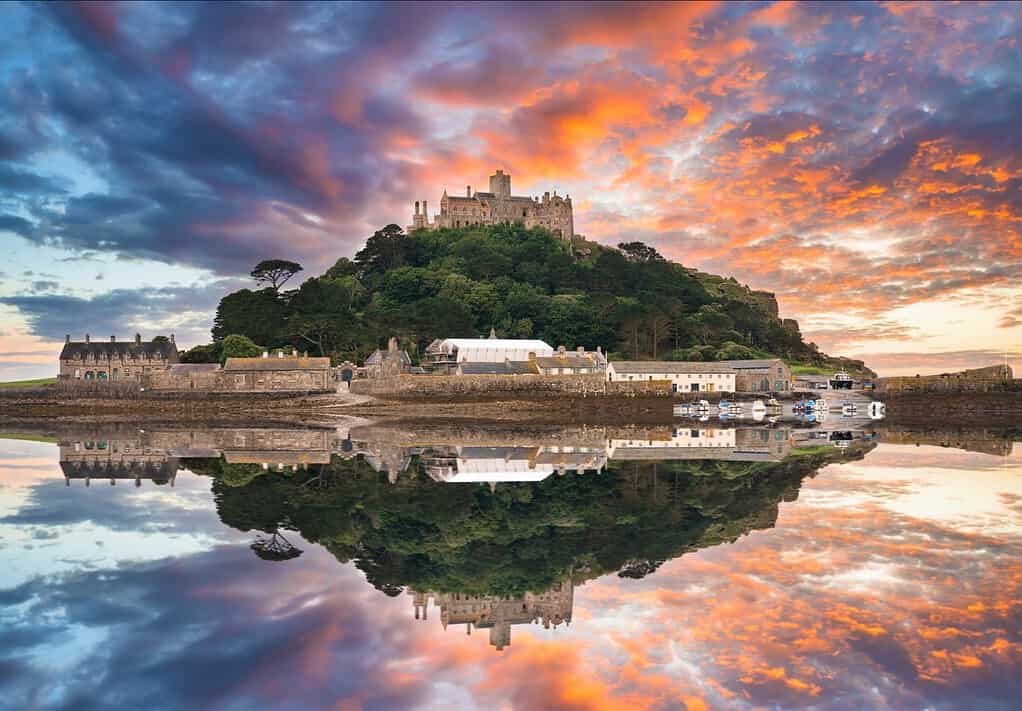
[[523, 283]]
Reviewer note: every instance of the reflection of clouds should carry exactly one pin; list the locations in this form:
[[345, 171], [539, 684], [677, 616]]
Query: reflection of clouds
[[854, 600]]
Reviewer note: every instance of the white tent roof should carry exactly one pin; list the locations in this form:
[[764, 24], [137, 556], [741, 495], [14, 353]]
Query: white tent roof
[[501, 343]]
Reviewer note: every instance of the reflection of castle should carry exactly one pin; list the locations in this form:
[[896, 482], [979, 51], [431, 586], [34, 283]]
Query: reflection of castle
[[498, 613]]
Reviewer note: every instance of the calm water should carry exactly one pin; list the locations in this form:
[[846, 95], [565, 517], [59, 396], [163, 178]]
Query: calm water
[[397, 568]]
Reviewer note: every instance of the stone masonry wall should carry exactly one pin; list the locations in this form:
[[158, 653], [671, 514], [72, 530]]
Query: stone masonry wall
[[432, 387]]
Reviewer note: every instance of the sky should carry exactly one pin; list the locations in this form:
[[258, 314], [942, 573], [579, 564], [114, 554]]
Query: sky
[[862, 161], [890, 583]]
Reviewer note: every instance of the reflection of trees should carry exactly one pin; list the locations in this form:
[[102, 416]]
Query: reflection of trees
[[274, 547], [518, 537]]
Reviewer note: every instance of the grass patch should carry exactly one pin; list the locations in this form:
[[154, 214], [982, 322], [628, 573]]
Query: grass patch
[[814, 449], [27, 383], [810, 370], [29, 437]]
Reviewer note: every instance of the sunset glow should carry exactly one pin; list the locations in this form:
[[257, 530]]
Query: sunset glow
[[862, 161]]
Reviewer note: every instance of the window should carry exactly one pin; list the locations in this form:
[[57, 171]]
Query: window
[[695, 387]]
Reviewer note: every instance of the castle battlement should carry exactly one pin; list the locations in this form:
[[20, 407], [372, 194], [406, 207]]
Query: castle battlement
[[498, 206]]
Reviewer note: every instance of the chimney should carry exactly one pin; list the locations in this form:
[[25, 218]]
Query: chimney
[[561, 350], [172, 339], [425, 209], [392, 345], [266, 354], [493, 333], [67, 338], [581, 350], [468, 191], [113, 339], [416, 208], [87, 338], [138, 339]]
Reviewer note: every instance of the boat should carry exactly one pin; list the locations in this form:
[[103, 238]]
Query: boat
[[849, 409], [877, 410], [758, 406], [841, 381]]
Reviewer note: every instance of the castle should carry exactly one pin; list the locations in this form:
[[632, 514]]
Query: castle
[[499, 206]]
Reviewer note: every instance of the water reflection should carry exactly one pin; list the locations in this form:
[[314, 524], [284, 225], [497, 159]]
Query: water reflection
[[626, 567]]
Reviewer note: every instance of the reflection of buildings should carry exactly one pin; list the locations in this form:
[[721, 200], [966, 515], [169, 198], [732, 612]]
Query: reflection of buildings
[[498, 613], [457, 464], [738, 445], [113, 459]]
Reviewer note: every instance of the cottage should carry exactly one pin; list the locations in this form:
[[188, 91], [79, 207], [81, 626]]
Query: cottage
[[577, 362], [683, 376], [115, 360], [389, 363], [764, 375], [280, 373]]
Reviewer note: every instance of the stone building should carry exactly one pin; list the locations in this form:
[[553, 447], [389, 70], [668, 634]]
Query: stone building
[[280, 373], [389, 363], [499, 206], [764, 375], [115, 360], [684, 376], [497, 613]]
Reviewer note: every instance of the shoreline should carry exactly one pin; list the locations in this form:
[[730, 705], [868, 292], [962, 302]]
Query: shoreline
[[46, 404]]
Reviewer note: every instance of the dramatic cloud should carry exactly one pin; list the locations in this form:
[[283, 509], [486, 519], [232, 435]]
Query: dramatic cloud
[[856, 159], [891, 582], [185, 310]]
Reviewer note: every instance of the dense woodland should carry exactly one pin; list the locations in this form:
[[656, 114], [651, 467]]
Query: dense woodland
[[520, 537], [523, 283]]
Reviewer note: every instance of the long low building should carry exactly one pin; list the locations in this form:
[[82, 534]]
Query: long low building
[[445, 355], [684, 376]]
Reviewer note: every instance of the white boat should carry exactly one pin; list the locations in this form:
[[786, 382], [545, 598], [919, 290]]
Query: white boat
[[841, 381], [758, 406], [877, 410], [849, 409]]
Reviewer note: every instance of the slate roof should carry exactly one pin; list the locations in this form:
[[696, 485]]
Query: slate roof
[[652, 367], [77, 350], [184, 368], [508, 368], [567, 361], [103, 469], [277, 364], [380, 355], [753, 364]]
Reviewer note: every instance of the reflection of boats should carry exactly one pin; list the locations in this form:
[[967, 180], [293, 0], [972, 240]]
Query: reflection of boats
[[877, 410], [841, 381], [692, 409]]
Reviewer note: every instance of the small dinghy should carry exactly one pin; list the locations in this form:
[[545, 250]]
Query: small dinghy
[[849, 409]]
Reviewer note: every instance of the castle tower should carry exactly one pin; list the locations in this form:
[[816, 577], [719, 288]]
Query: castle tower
[[500, 184]]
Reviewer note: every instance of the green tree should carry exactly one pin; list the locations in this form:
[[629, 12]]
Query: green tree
[[260, 315], [237, 346], [275, 272]]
